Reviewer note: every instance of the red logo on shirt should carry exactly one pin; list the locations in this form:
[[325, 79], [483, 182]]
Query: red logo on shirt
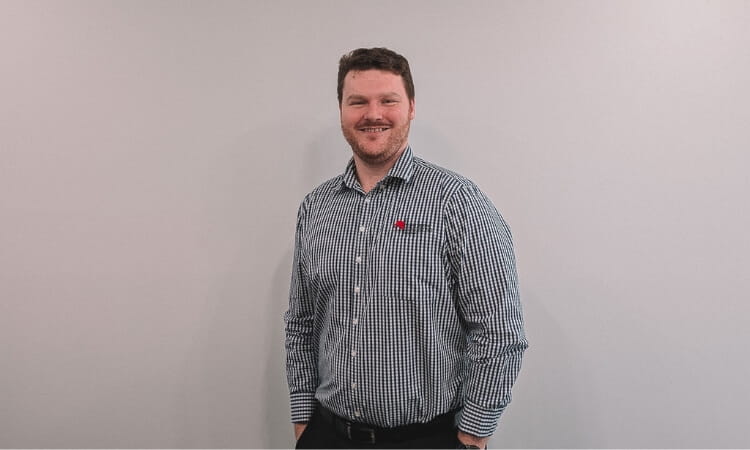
[[400, 224]]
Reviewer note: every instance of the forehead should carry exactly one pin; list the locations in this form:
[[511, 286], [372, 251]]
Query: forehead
[[373, 81]]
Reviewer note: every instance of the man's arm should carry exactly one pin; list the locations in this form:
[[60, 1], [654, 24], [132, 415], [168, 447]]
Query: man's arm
[[301, 353], [488, 301]]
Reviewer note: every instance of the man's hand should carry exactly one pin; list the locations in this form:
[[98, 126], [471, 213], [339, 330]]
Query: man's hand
[[470, 439], [299, 428]]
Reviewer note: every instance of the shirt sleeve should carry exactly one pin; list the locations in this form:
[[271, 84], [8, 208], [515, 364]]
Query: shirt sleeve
[[484, 267], [301, 351]]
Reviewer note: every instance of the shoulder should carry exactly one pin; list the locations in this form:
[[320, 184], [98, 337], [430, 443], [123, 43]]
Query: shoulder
[[462, 198], [315, 200], [328, 187], [324, 190], [448, 182]]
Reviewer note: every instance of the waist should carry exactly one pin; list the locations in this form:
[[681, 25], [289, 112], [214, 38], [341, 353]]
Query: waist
[[368, 434]]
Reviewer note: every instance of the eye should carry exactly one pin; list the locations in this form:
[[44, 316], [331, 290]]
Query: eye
[[389, 101]]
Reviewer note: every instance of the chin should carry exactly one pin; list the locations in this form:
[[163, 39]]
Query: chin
[[367, 148], [369, 156]]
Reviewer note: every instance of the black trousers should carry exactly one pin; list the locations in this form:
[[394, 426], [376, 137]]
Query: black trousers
[[321, 433]]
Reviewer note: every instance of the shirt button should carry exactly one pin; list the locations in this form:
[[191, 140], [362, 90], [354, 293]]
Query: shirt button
[[362, 229], [354, 385], [367, 200], [358, 259], [356, 413], [356, 289], [355, 321], [354, 353]]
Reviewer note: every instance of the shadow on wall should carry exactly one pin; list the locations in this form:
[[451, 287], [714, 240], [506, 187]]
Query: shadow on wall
[[278, 429], [326, 157], [430, 144], [563, 391]]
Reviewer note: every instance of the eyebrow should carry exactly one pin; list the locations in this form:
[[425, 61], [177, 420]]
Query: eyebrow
[[363, 97]]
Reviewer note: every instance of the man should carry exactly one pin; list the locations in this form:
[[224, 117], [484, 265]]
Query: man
[[404, 327]]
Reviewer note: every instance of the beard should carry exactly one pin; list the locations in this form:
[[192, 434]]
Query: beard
[[377, 152]]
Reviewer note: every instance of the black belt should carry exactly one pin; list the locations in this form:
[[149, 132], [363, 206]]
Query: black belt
[[363, 433]]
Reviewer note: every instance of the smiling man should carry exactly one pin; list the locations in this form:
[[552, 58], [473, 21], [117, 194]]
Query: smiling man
[[376, 112], [404, 327]]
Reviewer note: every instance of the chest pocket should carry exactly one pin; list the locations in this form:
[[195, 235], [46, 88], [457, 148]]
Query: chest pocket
[[408, 258]]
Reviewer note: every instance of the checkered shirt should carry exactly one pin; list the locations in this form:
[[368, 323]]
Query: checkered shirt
[[404, 301]]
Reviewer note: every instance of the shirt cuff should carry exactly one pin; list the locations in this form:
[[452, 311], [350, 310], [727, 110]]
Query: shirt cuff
[[303, 405], [478, 421]]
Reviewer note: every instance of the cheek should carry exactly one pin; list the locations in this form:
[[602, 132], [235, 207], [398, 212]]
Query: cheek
[[349, 119], [400, 116]]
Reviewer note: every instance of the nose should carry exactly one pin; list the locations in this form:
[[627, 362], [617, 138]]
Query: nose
[[373, 112]]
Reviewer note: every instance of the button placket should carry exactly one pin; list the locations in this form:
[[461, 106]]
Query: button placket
[[358, 291]]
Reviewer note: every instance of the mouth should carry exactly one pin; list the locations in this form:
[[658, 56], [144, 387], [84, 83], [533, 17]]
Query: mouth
[[373, 129]]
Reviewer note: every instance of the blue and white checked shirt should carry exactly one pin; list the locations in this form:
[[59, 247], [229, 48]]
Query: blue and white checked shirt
[[404, 301]]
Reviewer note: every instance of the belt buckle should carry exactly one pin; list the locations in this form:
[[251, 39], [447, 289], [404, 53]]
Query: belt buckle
[[370, 431]]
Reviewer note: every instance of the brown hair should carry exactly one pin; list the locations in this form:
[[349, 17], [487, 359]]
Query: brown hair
[[375, 58]]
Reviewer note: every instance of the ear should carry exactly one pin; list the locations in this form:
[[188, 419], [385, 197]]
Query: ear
[[412, 109]]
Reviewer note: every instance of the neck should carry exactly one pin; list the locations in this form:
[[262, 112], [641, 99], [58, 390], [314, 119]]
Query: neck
[[370, 173]]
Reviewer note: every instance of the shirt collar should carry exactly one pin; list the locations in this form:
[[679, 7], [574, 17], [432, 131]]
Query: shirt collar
[[403, 169]]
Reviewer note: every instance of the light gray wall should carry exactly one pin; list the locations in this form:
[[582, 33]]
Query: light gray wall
[[153, 155]]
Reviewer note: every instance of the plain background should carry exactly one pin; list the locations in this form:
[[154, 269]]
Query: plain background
[[153, 155]]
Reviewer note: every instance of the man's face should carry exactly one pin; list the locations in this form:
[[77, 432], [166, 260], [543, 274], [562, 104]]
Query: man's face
[[375, 114]]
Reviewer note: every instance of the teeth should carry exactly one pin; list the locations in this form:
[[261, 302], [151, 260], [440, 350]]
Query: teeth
[[374, 130]]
